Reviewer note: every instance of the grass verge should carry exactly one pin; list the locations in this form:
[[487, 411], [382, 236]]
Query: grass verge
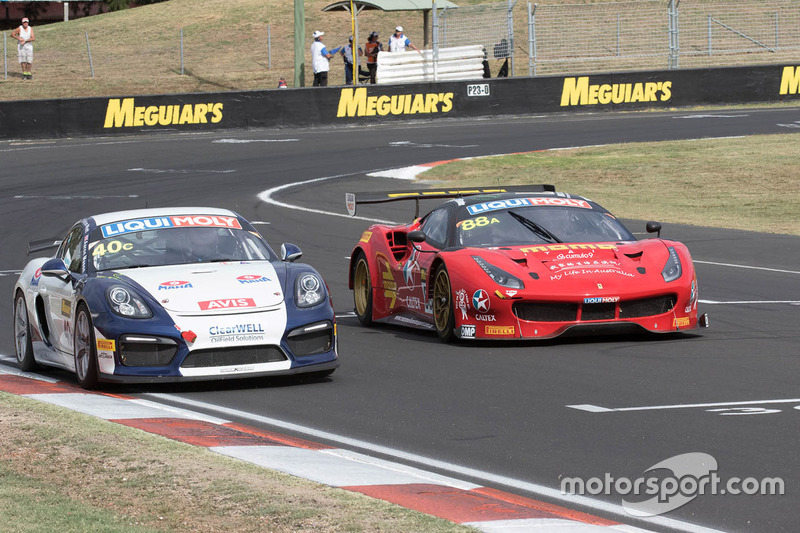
[[747, 183], [68, 472]]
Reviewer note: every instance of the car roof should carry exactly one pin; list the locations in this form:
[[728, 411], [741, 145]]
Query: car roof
[[116, 216]]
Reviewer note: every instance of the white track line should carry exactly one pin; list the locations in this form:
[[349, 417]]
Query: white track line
[[483, 476], [748, 267]]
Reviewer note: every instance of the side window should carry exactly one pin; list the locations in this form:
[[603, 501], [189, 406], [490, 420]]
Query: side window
[[435, 227], [71, 251]]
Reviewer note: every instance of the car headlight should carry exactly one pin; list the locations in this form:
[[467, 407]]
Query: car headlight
[[126, 303], [672, 270], [498, 275], [308, 290]]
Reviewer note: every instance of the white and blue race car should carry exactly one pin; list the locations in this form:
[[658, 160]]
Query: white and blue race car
[[158, 295]]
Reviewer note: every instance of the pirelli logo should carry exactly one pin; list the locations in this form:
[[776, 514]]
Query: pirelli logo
[[105, 345], [499, 330]]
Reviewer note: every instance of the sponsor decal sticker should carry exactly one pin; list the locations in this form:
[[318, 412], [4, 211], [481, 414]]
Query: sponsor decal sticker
[[365, 237], [499, 330], [106, 345], [680, 322], [357, 103], [142, 224], [578, 91], [350, 202], [252, 278], [461, 302], [36, 276], [66, 308], [547, 248], [526, 202], [176, 284], [480, 301], [601, 300], [237, 333], [468, 331], [124, 113], [229, 303]]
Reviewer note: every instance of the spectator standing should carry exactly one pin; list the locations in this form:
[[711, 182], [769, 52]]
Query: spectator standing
[[371, 50], [320, 59], [282, 84], [398, 42], [347, 55], [24, 34]]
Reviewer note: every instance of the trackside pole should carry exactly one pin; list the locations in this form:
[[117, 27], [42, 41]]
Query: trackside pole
[[89, 50]]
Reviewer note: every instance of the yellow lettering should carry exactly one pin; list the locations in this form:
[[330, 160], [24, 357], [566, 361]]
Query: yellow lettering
[[447, 102], [666, 91], [151, 115], [217, 113], [604, 95], [200, 111], [419, 104], [430, 103], [138, 116], [372, 101], [186, 115], [650, 89], [352, 102], [165, 115], [790, 81], [119, 113], [575, 91], [384, 105]]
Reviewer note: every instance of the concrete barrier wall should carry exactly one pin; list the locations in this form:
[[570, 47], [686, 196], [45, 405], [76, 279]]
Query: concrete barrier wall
[[367, 104]]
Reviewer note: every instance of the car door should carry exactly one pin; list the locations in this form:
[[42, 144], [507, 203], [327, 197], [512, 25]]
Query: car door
[[59, 293], [414, 270]]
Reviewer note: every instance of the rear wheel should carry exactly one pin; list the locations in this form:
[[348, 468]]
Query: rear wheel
[[85, 350], [362, 291], [443, 315], [22, 335]]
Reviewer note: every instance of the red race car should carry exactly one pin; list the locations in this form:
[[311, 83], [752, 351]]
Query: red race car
[[518, 262]]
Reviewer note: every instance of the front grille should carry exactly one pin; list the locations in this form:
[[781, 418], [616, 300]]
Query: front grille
[[240, 355], [546, 312], [598, 311], [647, 306], [311, 343], [156, 352]]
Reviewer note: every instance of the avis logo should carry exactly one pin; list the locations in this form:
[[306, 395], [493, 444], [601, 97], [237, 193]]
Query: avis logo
[[252, 278], [230, 303], [166, 285]]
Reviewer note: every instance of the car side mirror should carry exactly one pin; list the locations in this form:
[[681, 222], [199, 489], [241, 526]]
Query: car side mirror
[[653, 227], [290, 252], [55, 268], [416, 236]]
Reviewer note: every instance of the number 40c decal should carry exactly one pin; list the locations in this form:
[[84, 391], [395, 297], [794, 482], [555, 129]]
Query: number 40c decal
[[112, 247]]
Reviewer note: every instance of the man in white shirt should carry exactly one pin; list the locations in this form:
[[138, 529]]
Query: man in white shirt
[[398, 42], [320, 59], [24, 34]]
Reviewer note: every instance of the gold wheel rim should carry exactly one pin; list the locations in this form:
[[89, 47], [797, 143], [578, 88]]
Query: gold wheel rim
[[361, 287], [441, 300]]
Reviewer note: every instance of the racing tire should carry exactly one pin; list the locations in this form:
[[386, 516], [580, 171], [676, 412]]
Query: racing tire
[[22, 335], [362, 290], [444, 317], [85, 349]]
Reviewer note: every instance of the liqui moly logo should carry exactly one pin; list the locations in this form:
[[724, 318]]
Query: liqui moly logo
[[229, 303], [524, 202], [252, 278], [142, 224], [166, 285]]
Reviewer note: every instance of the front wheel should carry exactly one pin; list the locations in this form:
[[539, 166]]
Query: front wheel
[[443, 315], [85, 350], [362, 291], [22, 335]]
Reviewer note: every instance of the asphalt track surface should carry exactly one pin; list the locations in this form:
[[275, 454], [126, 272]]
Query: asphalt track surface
[[500, 412]]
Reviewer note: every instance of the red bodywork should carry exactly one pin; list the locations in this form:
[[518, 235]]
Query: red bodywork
[[601, 285]]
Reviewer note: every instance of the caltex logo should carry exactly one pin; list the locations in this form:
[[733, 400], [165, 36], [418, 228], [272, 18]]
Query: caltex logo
[[480, 301]]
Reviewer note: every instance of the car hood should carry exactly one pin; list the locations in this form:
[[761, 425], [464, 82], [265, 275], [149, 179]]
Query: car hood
[[211, 288], [587, 263]]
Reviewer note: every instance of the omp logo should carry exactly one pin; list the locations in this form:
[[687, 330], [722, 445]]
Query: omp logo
[[356, 103], [231, 303], [124, 113], [578, 91], [790, 81]]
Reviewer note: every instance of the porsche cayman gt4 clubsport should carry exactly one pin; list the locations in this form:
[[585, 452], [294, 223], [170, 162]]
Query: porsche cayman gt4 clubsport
[[178, 294], [519, 262]]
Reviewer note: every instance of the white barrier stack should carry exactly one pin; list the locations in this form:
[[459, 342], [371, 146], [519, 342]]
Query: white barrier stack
[[455, 63]]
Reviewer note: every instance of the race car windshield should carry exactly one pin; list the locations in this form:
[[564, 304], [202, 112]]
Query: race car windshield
[[538, 225], [176, 246]]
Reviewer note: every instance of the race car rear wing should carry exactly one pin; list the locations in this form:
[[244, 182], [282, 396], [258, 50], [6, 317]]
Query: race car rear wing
[[41, 246], [353, 199]]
